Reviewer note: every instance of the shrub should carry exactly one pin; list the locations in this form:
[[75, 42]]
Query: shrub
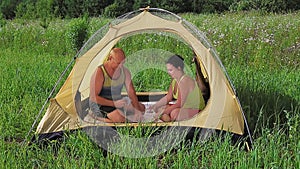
[[8, 8], [242, 5], [2, 20], [77, 31], [272, 5], [262, 5], [143, 4], [26, 10], [118, 8]]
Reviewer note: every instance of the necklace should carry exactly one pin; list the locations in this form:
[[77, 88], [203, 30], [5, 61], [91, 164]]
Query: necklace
[[181, 78], [175, 90]]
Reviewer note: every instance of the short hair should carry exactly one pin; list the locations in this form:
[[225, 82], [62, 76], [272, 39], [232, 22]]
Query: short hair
[[176, 61]]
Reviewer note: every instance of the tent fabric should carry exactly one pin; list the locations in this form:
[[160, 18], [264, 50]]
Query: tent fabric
[[223, 110]]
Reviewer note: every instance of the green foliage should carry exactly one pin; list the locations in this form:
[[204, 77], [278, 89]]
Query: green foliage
[[2, 21], [144, 3], [174, 6], [260, 53], [74, 8], [25, 10], [272, 150], [273, 5], [251, 46], [94, 8], [119, 7], [43, 8], [77, 33], [263, 5], [8, 8], [78, 8], [31, 9], [262, 39], [212, 6], [292, 5]]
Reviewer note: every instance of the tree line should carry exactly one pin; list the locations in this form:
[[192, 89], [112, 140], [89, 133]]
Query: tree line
[[10, 9]]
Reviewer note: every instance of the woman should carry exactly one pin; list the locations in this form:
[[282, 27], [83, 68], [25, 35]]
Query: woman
[[184, 90]]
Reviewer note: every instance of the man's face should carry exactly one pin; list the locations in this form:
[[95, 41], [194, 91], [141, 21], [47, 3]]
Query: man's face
[[117, 61]]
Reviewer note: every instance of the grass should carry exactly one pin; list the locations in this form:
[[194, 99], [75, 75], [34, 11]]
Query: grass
[[260, 52]]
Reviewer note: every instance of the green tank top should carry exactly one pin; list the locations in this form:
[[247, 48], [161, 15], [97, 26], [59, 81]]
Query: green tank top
[[112, 88], [194, 99]]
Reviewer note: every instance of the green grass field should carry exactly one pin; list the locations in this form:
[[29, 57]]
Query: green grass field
[[261, 54]]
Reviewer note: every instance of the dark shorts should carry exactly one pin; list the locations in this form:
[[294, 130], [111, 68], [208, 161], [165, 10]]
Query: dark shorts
[[100, 110]]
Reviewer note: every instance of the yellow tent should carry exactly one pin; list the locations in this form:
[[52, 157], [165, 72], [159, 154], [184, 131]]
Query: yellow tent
[[222, 111]]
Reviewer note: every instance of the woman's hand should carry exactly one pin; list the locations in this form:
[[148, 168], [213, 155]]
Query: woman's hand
[[153, 108], [156, 116]]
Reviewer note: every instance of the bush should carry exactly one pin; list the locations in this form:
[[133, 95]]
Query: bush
[[262, 5], [26, 10], [273, 5], [175, 6], [119, 7], [77, 31], [78, 8], [143, 4], [242, 5], [8, 8], [93, 8], [32, 9], [2, 20], [209, 6]]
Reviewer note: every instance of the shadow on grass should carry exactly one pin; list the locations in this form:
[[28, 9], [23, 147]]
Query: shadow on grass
[[266, 110]]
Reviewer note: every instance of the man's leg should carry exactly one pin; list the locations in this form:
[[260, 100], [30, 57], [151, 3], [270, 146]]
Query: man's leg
[[116, 116]]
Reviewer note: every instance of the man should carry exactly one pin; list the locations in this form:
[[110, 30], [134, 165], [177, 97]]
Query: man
[[106, 84]]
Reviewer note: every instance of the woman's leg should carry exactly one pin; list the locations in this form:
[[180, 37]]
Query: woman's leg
[[183, 114], [174, 114], [165, 118], [170, 117]]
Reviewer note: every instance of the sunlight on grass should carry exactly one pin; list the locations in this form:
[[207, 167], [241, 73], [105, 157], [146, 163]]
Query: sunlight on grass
[[260, 52]]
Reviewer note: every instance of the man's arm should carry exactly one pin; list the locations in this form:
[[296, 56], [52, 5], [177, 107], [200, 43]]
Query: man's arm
[[131, 91]]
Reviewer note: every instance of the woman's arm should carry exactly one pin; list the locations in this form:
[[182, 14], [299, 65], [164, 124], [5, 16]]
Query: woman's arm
[[186, 85], [163, 101]]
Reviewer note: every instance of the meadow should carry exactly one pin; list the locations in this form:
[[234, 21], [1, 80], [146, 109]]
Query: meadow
[[261, 53]]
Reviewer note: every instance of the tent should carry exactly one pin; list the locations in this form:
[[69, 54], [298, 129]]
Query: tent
[[223, 111]]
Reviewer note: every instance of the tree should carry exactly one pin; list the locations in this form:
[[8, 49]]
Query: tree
[[118, 8], [8, 8]]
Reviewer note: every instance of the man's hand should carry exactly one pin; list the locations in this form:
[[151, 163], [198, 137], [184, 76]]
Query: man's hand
[[138, 116], [153, 108], [120, 103]]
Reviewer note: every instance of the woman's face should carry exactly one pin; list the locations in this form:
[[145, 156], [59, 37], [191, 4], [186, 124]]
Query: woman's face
[[172, 71]]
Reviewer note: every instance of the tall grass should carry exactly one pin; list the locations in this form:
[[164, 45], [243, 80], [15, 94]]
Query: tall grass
[[260, 53]]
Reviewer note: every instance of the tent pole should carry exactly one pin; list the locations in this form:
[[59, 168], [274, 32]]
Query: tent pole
[[48, 98], [247, 127]]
